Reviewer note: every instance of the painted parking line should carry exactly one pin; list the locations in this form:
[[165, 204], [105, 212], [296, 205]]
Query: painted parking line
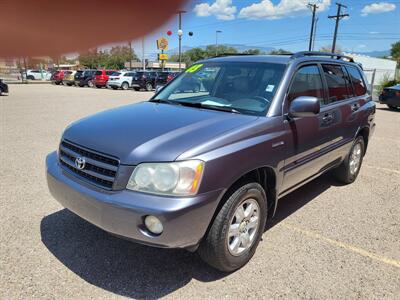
[[354, 249], [383, 169]]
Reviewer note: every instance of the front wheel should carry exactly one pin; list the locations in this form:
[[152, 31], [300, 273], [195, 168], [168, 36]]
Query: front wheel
[[348, 171], [237, 229], [149, 87], [392, 107]]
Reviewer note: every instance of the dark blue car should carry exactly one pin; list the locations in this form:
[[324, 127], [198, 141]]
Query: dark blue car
[[202, 165]]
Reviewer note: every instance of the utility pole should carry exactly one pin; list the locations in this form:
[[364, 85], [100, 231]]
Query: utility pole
[[216, 41], [315, 34], [180, 33], [314, 8], [130, 56], [338, 17], [143, 62]]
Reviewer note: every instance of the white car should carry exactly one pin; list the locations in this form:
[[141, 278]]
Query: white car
[[37, 75], [121, 80]]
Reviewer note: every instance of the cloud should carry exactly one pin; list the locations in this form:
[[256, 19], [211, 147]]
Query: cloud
[[377, 8], [285, 8], [222, 9]]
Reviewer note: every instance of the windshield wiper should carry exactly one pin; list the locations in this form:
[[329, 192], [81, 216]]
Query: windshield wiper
[[163, 101], [207, 106]]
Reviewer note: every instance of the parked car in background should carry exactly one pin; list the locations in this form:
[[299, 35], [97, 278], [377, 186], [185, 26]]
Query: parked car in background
[[69, 78], [3, 87], [204, 163], [121, 80], [85, 78], [164, 77], [101, 77], [144, 80], [36, 74], [391, 97], [58, 76]]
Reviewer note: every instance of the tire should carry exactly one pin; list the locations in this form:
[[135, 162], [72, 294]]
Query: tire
[[149, 87], [215, 249], [344, 173], [90, 83], [30, 77], [391, 107], [125, 86], [1, 91]]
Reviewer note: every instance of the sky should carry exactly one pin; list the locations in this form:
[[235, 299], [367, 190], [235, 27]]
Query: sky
[[371, 25]]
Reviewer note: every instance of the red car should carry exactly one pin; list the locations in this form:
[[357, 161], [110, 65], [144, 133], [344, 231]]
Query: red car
[[58, 77], [101, 77]]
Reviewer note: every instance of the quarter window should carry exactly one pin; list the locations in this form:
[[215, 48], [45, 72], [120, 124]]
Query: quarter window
[[307, 82], [357, 80], [336, 80]]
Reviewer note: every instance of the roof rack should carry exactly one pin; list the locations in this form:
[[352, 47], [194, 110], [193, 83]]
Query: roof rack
[[316, 53], [233, 54]]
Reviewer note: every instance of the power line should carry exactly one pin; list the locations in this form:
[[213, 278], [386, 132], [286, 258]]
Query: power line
[[338, 17]]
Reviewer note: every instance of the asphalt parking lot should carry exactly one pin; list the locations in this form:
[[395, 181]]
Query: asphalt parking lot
[[326, 241]]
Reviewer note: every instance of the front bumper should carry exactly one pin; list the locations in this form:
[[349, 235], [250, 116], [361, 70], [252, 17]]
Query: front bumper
[[185, 220]]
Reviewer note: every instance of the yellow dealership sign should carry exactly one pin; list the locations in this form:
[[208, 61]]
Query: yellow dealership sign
[[162, 56]]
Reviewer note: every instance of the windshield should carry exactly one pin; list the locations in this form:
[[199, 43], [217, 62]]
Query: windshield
[[245, 87]]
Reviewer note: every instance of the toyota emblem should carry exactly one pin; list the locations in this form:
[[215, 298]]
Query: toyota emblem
[[80, 163]]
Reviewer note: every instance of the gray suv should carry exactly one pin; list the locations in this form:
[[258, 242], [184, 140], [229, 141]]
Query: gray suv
[[202, 165]]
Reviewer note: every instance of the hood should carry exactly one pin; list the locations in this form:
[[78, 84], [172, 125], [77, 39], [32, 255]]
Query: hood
[[151, 132]]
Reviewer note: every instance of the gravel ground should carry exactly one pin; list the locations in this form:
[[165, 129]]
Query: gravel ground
[[327, 241]]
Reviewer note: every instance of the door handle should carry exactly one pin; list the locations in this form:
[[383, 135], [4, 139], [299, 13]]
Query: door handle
[[355, 107], [327, 118]]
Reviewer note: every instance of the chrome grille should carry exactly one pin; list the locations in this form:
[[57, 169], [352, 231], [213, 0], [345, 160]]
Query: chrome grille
[[99, 169]]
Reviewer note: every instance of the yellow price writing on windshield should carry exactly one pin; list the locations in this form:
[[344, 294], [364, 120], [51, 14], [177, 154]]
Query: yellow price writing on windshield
[[194, 68]]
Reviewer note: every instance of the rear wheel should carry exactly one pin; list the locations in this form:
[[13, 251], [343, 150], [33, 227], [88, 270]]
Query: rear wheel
[[237, 229], [149, 87], [125, 86], [90, 83], [348, 171], [30, 77]]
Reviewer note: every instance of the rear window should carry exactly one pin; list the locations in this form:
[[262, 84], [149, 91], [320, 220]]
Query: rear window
[[357, 81], [68, 72], [336, 80], [99, 73]]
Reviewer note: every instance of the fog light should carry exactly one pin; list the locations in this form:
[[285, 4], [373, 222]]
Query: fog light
[[153, 224]]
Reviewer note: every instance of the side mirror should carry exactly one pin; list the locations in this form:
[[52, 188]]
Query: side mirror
[[304, 106]]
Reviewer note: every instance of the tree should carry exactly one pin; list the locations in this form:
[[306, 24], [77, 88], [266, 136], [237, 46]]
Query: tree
[[279, 52], [253, 51], [328, 49], [112, 59], [395, 51]]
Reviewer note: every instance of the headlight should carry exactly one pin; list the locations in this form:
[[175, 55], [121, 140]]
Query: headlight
[[176, 178]]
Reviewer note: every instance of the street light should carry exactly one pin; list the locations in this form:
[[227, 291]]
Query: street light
[[216, 41], [180, 33]]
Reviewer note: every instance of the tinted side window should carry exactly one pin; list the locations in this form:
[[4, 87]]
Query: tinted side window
[[336, 81], [357, 80], [307, 82]]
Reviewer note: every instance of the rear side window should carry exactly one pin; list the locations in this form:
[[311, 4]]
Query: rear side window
[[336, 80], [357, 81], [307, 82], [99, 73]]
